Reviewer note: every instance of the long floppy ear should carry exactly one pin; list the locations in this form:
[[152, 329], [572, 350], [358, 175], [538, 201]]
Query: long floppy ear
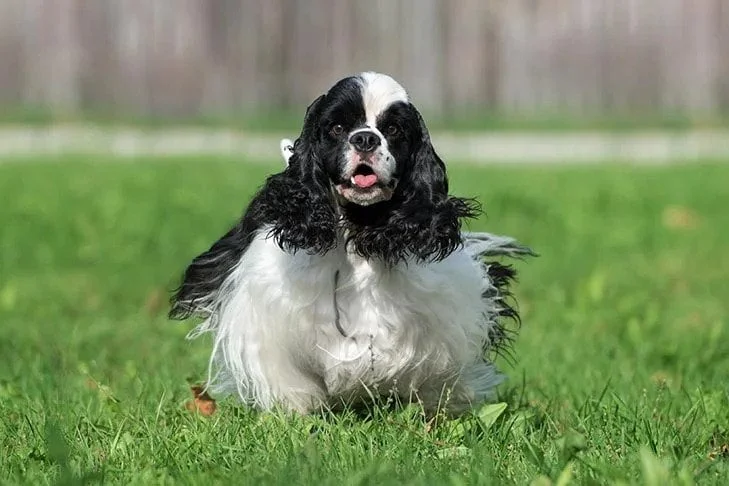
[[428, 172], [427, 207], [423, 221], [297, 203], [304, 144]]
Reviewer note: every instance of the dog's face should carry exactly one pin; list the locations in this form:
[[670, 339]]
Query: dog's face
[[364, 132]]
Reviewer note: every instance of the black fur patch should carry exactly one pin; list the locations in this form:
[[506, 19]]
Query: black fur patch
[[425, 230], [501, 336]]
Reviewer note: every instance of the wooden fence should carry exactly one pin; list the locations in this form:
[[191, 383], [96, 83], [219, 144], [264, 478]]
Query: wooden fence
[[192, 57]]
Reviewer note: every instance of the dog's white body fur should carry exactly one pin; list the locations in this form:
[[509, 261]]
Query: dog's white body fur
[[293, 329]]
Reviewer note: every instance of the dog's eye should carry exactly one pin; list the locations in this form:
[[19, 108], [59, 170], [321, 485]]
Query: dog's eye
[[337, 130], [392, 130]]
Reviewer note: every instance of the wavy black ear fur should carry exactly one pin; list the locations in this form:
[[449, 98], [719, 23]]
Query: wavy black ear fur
[[297, 207], [421, 220], [298, 202]]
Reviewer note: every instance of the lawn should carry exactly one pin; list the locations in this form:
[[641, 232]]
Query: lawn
[[289, 121], [620, 372]]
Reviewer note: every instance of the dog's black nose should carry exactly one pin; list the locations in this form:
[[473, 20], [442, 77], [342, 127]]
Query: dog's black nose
[[365, 141]]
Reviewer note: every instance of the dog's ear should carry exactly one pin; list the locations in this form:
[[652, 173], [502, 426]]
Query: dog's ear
[[307, 139], [297, 203], [423, 222], [429, 218], [428, 206], [428, 176]]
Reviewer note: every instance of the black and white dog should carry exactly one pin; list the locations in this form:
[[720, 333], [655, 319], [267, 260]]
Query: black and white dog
[[348, 276]]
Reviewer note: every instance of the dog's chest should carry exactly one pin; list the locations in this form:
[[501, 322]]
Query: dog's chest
[[350, 301], [359, 321]]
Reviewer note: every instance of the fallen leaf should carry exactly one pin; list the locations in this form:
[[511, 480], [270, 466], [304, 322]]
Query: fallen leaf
[[201, 402], [680, 217], [489, 413]]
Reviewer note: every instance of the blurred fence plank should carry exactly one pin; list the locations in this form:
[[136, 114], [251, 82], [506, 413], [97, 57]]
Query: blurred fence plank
[[193, 57]]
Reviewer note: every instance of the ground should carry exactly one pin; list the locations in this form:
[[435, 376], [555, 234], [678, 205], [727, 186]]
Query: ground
[[619, 372]]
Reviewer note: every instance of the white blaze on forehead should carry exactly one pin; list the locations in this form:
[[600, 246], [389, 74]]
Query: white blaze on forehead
[[378, 92]]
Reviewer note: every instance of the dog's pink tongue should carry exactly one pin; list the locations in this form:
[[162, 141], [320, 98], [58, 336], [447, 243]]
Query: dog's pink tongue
[[365, 181]]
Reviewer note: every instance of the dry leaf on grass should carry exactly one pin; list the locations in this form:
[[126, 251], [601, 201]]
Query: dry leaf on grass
[[201, 402], [680, 217]]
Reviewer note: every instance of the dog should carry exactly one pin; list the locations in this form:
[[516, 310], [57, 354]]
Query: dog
[[348, 276]]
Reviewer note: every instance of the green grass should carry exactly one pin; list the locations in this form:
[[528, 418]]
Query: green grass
[[622, 362], [464, 120]]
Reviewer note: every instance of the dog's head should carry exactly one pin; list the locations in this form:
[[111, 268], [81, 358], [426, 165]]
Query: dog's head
[[365, 152], [365, 132], [366, 136]]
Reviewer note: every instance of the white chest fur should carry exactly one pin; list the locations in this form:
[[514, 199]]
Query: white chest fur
[[307, 330]]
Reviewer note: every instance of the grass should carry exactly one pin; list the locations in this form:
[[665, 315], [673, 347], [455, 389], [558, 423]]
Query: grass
[[621, 372], [464, 120]]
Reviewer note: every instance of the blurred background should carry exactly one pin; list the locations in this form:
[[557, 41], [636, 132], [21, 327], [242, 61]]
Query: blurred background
[[490, 61], [625, 343]]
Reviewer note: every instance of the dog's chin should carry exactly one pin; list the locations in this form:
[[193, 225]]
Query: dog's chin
[[349, 193]]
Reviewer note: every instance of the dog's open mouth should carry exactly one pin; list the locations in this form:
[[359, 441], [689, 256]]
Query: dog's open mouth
[[364, 177], [365, 187]]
